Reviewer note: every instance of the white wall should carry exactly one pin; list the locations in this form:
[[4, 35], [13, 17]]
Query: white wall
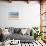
[[29, 14]]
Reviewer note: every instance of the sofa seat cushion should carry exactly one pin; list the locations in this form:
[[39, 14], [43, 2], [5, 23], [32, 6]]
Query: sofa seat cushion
[[21, 37]]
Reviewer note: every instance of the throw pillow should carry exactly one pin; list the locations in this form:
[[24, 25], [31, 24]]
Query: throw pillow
[[23, 31], [11, 30], [17, 30]]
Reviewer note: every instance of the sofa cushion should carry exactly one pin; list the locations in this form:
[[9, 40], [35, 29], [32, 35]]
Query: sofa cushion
[[22, 38]]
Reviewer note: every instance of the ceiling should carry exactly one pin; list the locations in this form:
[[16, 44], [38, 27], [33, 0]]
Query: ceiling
[[22, 0]]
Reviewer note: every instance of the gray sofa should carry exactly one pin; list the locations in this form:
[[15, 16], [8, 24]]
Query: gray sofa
[[22, 38], [17, 35]]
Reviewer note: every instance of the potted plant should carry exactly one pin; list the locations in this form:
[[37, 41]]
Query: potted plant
[[36, 32]]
